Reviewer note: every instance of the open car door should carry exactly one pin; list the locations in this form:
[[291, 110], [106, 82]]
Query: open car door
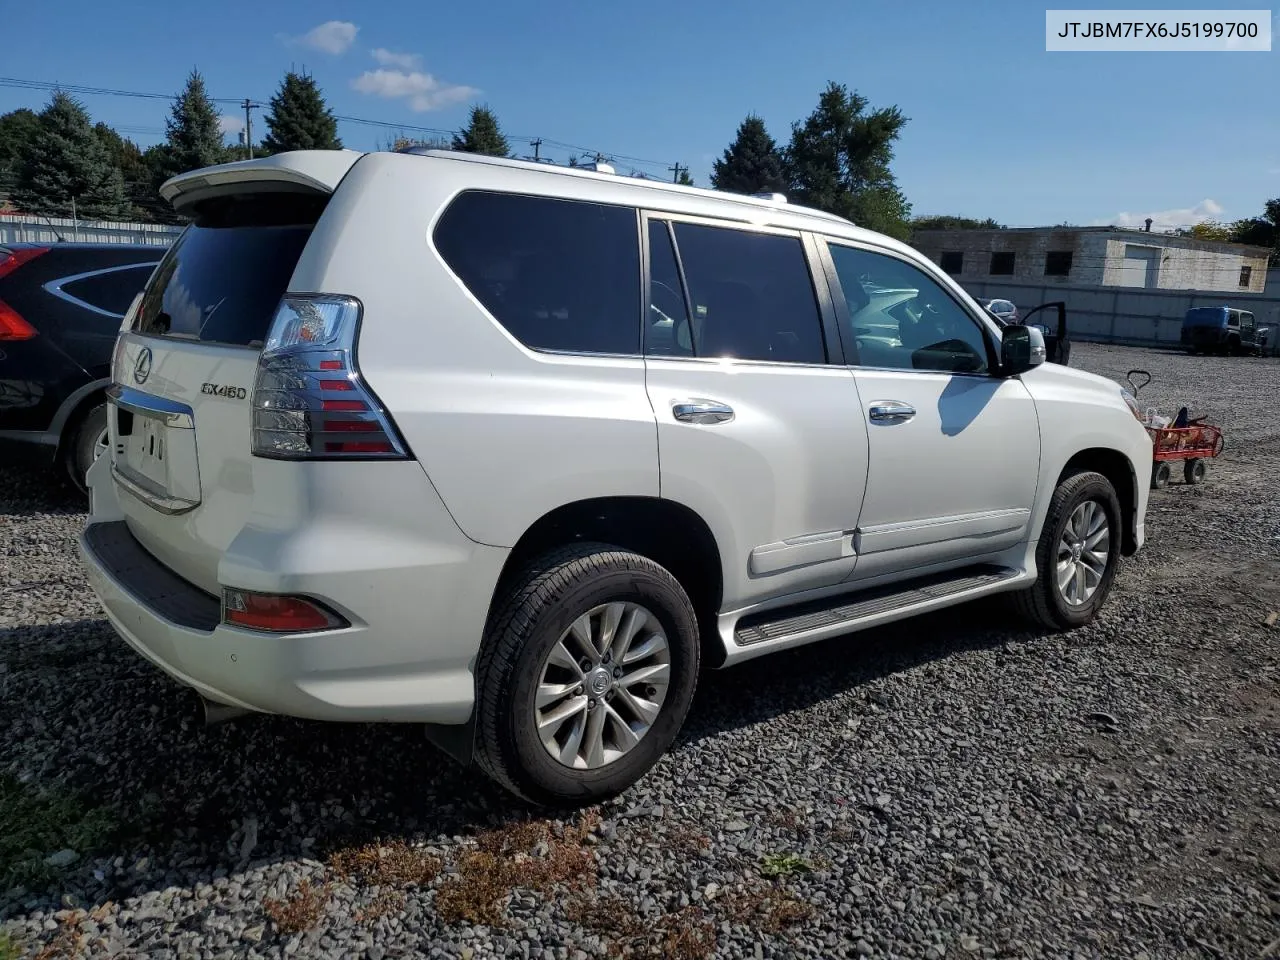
[[1057, 343]]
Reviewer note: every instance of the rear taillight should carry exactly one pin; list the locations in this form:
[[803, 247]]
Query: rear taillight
[[275, 613], [13, 259], [12, 325], [309, 402]]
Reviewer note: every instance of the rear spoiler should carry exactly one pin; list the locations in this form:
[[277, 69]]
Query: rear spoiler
[[304, 170]]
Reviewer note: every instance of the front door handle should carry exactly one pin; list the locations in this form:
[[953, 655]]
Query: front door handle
[[701, 411], [891, 411]]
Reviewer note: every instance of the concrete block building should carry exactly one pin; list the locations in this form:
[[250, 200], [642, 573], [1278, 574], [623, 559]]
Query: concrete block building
[[1105, 257]]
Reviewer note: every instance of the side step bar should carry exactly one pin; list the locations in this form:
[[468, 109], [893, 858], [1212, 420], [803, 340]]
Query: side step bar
[[850, 611]]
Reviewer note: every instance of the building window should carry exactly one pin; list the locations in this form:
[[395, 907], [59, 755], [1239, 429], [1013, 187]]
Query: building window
[[1246, 274], [1002, 264], [1057, 263], [953, 261]]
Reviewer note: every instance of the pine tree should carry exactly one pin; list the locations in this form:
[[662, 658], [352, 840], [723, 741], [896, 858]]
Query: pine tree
[[17, 128], [299, 118], [839, 158], [482, 135], [752, 163], [66, 160], [684, 179], [192, 133], [139, 192]]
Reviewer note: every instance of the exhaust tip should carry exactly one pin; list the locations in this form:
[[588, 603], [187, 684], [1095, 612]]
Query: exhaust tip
[[213, 713]]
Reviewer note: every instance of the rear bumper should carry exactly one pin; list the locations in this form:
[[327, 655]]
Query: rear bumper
[[408, 655]]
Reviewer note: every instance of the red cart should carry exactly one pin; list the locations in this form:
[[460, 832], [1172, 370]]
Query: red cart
[[1192, 443]]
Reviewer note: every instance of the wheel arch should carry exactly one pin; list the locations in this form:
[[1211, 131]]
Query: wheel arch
[[74, 408], [1119, 470], [667, 532]]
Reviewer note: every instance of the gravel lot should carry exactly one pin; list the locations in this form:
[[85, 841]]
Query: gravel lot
[[952, 787]]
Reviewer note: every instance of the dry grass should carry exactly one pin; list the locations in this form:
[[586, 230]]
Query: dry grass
[[300, 911], [769, 909], [525, 855], [687, 934], [384, 903], [393, 864]]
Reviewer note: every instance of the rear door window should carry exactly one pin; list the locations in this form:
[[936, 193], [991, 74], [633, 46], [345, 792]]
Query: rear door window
[[560, 275], [223, 278], [751, 294], [109, 291]]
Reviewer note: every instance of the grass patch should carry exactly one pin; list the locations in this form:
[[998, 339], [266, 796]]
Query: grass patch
[[8, 948], [769, 910], [393, 864], [527, 855], [300, 911], [36, 823], [687, 934]]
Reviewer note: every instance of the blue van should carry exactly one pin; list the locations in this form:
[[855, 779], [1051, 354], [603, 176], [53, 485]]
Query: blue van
[[1220, 330]]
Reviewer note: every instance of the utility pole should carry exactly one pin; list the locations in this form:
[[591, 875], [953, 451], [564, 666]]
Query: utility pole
[[248, 125], [75, 223], [536, 144], [676, 171]]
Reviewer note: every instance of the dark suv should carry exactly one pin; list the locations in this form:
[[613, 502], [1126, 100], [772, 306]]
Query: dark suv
[[61, 307]]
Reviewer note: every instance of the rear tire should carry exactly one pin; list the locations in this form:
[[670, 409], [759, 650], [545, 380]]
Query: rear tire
[[1077, 556], [87, 442], [539, 711], [1160, 473], [1194, 471]]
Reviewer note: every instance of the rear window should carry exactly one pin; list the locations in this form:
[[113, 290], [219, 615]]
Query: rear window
[[560, 275], [110, 291], [223, 278]]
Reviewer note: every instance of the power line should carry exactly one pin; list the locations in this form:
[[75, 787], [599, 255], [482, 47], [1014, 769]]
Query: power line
[[85, 90]]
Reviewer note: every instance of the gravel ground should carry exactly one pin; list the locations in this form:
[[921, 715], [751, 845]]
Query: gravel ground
[[951, 787]]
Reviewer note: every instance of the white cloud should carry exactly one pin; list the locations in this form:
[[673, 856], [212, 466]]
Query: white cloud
[[1162, 220], [420, 90], [229, 123], [389, 58], [333, 36]]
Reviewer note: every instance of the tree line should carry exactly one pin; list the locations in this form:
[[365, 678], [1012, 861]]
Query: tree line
[[838, 159]]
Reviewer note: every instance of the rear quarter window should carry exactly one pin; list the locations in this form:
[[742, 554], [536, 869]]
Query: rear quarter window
[[559, 275], [109, 291]]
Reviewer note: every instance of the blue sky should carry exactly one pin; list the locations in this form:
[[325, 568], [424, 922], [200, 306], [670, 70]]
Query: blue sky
[[998, 127]]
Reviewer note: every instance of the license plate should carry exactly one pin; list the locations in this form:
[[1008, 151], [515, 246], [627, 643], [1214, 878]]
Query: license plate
[[145, 451]]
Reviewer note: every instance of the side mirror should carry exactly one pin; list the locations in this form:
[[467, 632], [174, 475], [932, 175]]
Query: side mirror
[[1021, 348]]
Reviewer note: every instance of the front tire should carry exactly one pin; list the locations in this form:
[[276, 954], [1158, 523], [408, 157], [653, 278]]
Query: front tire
[[1077, 556], [585, 676]]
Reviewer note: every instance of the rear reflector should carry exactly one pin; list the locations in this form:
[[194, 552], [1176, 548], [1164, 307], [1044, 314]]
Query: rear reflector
[[12, 326], [274, 613]]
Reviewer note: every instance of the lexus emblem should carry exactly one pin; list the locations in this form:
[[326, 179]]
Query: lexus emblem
[[142, 366]]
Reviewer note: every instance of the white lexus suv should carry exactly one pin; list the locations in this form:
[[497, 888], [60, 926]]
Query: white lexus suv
[[516, 451]]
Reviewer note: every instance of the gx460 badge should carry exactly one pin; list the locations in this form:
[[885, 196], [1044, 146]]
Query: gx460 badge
[[224, 390]]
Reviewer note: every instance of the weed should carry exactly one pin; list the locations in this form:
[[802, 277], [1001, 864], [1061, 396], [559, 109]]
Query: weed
[[687, 934], [526, 855], [784, 864], [392, 864], [299, 912], [769, 910], [9, 950], [386, 902], [36, 823]]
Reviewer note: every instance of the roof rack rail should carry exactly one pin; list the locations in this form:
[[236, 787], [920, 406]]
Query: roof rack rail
[[775, 197]]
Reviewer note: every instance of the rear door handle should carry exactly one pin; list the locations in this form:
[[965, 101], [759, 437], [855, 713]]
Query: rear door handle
[[891, 411], [701, 411]]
